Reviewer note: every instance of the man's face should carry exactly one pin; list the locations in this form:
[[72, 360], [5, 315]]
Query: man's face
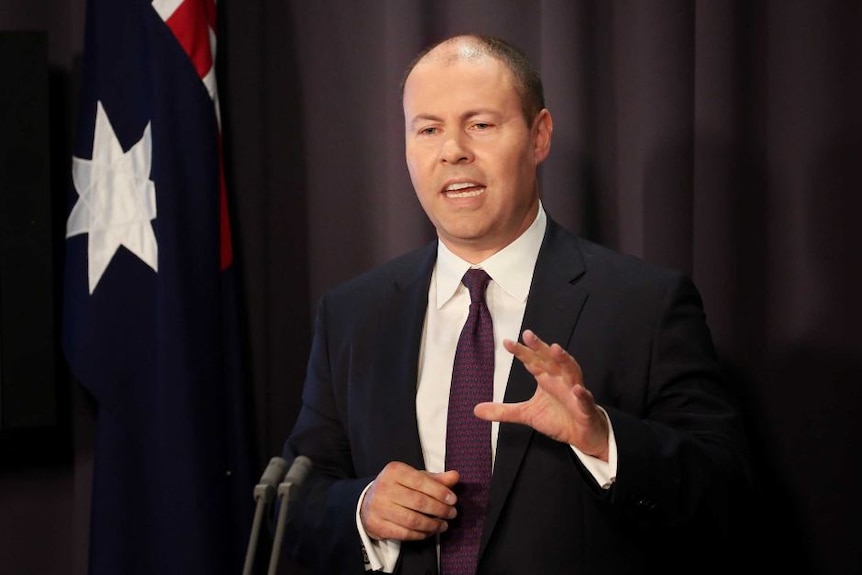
[[471, 155]]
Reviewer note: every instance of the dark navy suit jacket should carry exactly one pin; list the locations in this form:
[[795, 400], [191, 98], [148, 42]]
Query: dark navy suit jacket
[[640, 336]]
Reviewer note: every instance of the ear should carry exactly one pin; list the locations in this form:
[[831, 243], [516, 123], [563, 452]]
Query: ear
[[543, 128]]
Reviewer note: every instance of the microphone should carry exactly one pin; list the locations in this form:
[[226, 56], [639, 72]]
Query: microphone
[[296, 475], [264, 492], [272, 476]]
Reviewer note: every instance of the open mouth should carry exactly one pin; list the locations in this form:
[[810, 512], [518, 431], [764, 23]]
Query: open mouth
[[463, 190]]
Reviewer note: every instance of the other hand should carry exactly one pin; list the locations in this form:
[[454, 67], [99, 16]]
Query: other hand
[[407, 504]]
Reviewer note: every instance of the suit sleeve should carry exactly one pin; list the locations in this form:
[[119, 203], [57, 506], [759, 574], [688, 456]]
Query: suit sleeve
[[684, 457], [321, 529]]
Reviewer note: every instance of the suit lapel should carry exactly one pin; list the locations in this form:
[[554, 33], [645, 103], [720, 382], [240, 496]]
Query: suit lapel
[[401, 317], [393, 341], [552, 314]]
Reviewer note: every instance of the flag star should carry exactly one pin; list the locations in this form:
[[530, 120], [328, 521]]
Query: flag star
[[116, 199]]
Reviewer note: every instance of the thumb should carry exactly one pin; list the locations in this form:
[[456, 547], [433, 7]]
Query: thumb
[[448, 478], [493, 411]]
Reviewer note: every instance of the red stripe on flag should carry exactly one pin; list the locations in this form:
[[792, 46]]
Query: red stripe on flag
[[190, 24], [226, 250], [210, 9]]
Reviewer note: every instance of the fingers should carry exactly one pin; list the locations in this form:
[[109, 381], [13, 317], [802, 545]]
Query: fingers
[[562, 407], [541, 359], [407, 504]]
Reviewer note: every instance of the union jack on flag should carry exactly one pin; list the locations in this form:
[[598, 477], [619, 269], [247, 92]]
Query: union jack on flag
[[150, 323]]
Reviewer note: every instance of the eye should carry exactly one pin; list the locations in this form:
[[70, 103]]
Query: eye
[[428, 131], [482, 126]]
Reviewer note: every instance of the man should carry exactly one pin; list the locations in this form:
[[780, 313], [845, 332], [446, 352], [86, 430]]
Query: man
[[615, 448]]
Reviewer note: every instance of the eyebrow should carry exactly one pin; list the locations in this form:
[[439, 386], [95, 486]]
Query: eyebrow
[[424, 118]]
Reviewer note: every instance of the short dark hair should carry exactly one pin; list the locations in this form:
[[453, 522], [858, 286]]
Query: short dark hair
[[528, 82]]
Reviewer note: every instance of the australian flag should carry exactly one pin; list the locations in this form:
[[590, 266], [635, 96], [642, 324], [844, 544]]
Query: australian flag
[[150, 314]]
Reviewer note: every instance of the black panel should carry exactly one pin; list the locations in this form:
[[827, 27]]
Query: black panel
[[29, 406]]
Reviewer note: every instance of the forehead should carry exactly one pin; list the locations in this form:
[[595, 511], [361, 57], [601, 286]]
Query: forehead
[[460, 71]]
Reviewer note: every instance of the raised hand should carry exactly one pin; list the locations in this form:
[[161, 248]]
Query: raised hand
[[562, 408]]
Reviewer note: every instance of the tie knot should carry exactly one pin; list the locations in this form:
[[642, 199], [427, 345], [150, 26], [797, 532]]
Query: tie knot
[[476, 280]]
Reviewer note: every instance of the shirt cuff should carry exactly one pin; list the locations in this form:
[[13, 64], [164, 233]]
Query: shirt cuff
[[604, 472], [379, 555]]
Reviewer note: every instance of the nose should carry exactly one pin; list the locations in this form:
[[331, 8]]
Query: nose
[[456, 149]]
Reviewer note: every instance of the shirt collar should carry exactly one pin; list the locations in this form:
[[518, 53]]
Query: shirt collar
[[511, 268]]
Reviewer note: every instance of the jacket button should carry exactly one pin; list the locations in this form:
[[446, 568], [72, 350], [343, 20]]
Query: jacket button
[[646, 503]]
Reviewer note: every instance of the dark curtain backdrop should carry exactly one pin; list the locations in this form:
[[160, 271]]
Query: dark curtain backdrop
[[723, 138]]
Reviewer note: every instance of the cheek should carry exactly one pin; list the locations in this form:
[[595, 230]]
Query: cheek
[[415, 178], [413, 170], [413, 160], [419, 170]]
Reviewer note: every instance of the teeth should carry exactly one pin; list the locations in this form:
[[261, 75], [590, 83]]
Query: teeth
[[454, 190], [469, 194], [459, 186]]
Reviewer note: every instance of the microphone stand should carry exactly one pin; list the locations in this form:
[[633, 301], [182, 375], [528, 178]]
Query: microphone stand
[[264, 493], [294, 479]]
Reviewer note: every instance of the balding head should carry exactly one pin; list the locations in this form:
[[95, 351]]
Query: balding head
[[526, 79]]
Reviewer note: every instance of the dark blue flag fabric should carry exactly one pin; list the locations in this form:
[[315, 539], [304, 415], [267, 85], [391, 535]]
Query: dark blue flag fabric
[[150, 314]]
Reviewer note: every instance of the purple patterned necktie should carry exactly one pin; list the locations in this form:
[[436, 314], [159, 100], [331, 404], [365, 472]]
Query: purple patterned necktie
[[468, 438]]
